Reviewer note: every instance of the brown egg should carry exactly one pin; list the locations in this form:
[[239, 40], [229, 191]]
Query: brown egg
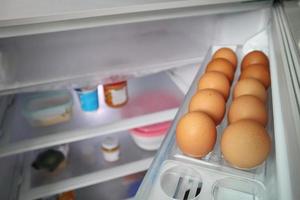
[[196, 134], [248, 107], [257, 72], [265, 67], [209, 101], [216, 81], [255, 57], [245, 144], [250, 86], [221, 65], [228, 54]]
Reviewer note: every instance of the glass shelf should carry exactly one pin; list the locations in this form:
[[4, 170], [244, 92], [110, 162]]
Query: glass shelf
[[156, 87]]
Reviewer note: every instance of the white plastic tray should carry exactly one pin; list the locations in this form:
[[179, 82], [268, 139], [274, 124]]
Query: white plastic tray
[[211, 169]]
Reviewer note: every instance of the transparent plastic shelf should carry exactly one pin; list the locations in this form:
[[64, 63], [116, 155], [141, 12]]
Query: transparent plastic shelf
[[84, 125], [122, 188], [118, 189], [85, 167]]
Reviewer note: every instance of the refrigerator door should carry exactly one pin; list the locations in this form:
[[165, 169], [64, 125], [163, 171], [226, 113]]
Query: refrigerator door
[[288, 96], [291, 11], [281, 178]]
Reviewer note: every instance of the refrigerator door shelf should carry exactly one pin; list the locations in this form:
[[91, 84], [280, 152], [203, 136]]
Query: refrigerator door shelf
[[35, 17], [85, 166], [214, 160], [84, 125], [184, 181]]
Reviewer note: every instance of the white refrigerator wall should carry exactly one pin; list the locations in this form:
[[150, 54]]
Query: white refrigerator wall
[[89, 56]]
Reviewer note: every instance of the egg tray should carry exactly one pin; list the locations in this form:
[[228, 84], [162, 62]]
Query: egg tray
[[214, 160]]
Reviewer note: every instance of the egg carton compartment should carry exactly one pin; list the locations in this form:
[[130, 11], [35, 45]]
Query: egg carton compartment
[[189, 182], [214, 160]]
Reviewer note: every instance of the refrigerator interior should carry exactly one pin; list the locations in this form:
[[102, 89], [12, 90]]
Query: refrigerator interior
[[86, 165], [83, 57]]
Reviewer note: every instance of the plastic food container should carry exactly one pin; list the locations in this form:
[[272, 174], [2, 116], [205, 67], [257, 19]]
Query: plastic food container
[[150, 137], [88, 98], [48, 108]]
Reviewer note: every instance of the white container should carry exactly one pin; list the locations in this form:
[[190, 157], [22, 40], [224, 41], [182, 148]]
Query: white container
[[150, 137], [111, 149], [48, 108]]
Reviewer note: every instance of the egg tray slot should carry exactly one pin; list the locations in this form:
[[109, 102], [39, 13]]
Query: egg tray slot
[[188, 182], [214, 160]]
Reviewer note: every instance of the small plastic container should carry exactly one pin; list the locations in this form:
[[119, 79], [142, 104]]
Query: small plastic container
[[116, 94], [88, 98], [110, 148], [48, 108], [150, 137]]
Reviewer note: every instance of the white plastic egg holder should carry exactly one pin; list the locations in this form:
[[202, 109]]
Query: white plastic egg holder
[[217, 177]]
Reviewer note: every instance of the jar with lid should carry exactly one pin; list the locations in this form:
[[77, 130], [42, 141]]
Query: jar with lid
[[116, 94], [110, 148]]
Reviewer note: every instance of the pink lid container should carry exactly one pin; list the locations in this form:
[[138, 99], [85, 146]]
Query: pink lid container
[[152, 130]]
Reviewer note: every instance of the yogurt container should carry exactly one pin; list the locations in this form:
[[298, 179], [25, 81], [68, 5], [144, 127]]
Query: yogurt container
[[88, 98], [110, 148]]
